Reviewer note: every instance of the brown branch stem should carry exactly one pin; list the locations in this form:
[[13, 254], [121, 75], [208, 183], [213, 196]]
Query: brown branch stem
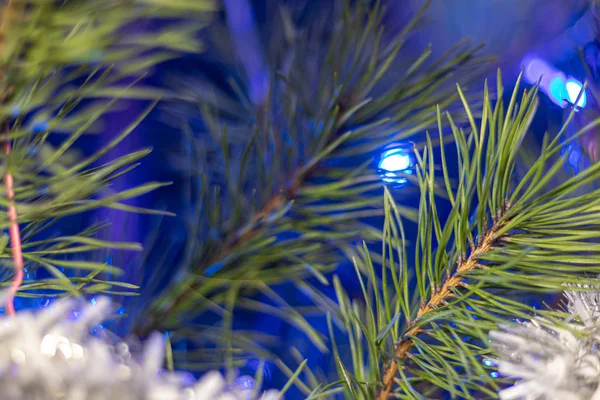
[[15, 240], [438, 298]]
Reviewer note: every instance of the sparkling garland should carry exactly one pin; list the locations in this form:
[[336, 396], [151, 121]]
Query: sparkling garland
[[52, 355], [553, 362]]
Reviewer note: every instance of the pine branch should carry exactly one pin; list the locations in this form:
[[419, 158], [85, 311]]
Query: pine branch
[[15, 238], [47, 49], [288, 162], [273, 205], [440, 297], [532, 235]]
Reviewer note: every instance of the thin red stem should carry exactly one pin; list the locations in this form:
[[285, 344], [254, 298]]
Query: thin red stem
[[15, 239]]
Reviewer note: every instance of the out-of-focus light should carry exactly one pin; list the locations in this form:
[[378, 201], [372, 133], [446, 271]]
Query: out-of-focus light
[[557, 90], [573, 88], [488, 363], [553, 82], [393, 161], [535, 69]]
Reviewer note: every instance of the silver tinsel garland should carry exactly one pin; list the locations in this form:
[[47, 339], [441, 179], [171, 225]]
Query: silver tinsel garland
[[51, 355], [552, 362]]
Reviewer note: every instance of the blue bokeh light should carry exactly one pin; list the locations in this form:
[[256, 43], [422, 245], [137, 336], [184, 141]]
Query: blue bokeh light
[[393, 161], [553, 82], [556, 90]]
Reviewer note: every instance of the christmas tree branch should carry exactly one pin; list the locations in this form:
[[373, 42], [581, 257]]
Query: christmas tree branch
[[531, 235], [273, 205], [439, 298], [312, 120], [47, 49]]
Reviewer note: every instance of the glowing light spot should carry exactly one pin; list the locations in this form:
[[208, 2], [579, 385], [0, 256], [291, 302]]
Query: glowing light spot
[[494, 375], [535, 69], [557, 90], [488, 363], [93, 301], [573, 88], [393, 161], [553, 82]]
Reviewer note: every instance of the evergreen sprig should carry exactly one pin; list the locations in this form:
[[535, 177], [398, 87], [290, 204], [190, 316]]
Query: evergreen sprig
[[63, 66], [277, 199], [423, 328]]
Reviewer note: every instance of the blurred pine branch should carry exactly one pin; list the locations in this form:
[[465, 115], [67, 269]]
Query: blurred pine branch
[[275, 198], [63, 66]]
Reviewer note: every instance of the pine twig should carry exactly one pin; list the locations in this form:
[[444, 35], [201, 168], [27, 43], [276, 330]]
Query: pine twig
[[15, 238], [156, 319], [437, 299], [15, 233]]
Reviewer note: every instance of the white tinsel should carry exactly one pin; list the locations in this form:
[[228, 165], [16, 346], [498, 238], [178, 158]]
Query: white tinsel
[[549, 362], [47, 356]]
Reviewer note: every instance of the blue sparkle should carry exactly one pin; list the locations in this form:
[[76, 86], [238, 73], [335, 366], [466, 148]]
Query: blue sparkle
[[488, 363], [557, 90], [494, 375], [44, 302], [93, 301]]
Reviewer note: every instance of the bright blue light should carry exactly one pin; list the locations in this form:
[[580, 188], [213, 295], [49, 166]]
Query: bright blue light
[[488, 363], [392, 161], [93, 301], [557, 90], [494, 375], [553, 82], [573, 88]]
